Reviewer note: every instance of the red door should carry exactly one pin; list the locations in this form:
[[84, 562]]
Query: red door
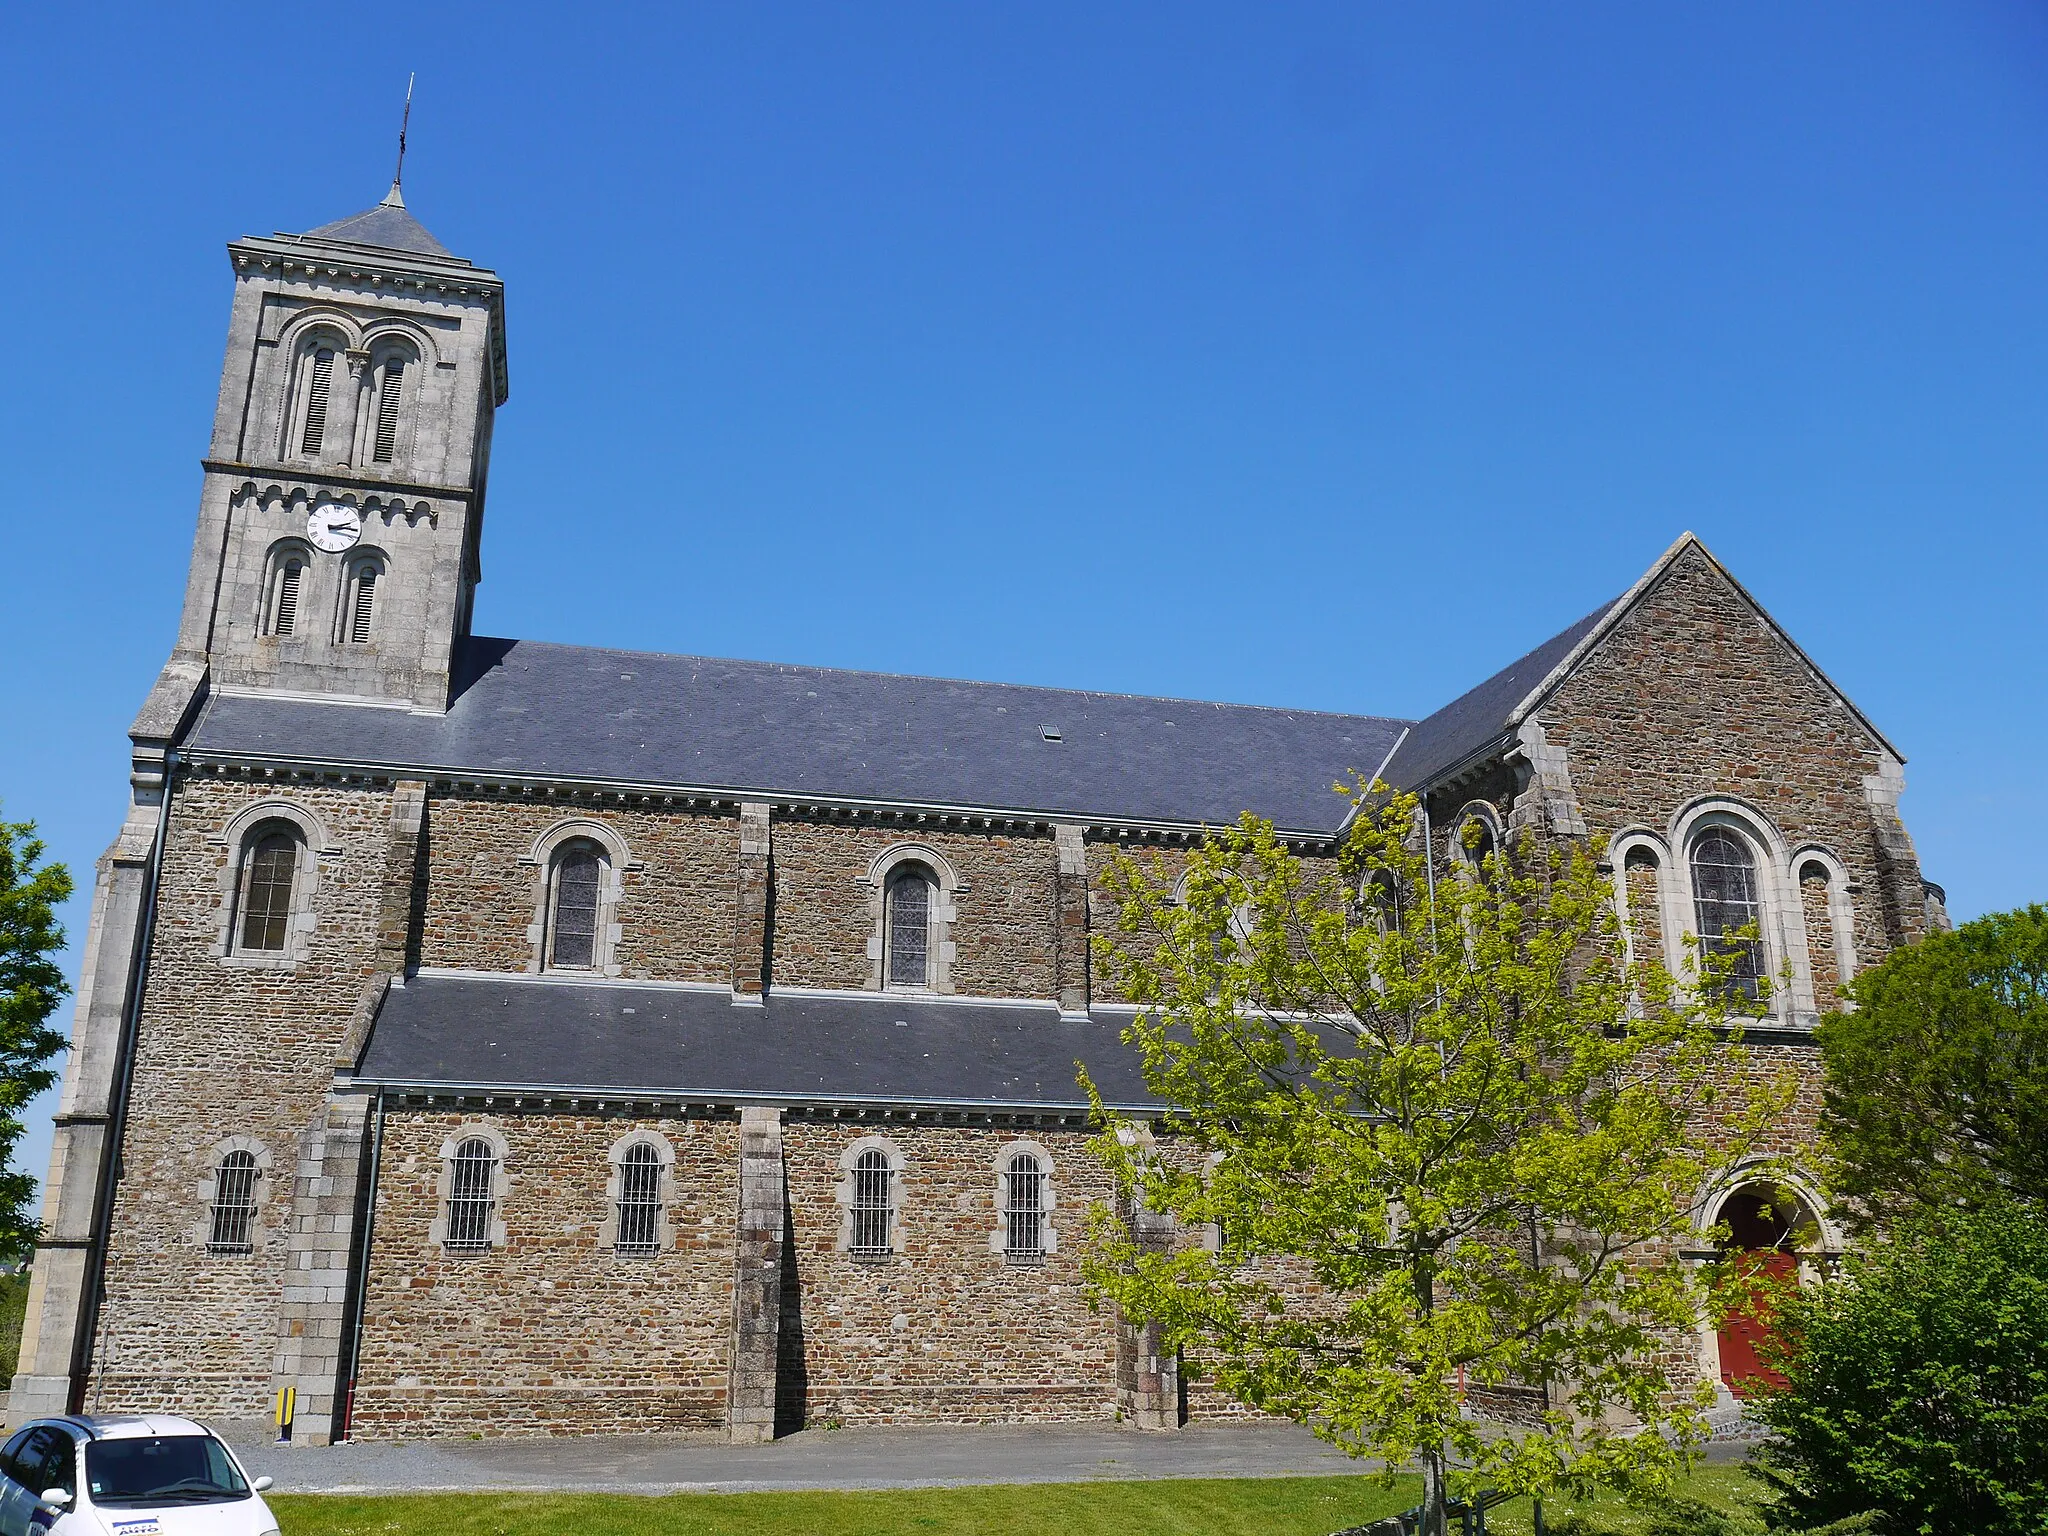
[[1746, 1330]]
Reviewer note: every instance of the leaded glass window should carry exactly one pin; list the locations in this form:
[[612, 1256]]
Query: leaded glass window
[[1024, 1209], [579, 877], [234, 1204], [267, 876], [472, 1196], [909, 929], [639, 1202], [874, 1188], [1725, 899]]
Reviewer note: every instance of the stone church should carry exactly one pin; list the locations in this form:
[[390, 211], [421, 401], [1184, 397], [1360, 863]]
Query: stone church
[[503, 1037]]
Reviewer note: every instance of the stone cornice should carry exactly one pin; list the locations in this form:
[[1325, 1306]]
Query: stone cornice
[[320, 477]]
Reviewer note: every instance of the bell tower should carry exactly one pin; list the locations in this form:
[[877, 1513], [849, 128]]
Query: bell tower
[[339, 523]]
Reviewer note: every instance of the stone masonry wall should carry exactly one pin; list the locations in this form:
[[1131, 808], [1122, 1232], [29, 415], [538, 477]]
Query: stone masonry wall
[[553, 1333], [227, 1051]]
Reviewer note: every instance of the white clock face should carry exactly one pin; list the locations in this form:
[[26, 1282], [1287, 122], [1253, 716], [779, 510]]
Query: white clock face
[[333, 527]]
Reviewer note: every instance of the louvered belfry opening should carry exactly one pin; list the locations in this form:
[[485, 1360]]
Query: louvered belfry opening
[[284, 615], [234, 1204], [909, 923], [362, 606], [320, 376], [1024, 1209], [579, 874], [872, 1180], [1725, 899], [471, 1201], [639, 1202], [388, 388], [267, 892]]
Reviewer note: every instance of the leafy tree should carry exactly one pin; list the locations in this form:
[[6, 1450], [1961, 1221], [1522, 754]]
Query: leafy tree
[[1937, 1084], [1456, 1108], [1917, 1383], [31, 986]]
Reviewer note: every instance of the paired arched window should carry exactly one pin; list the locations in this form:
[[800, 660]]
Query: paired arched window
[[270, 867], [316, 389], [233, 1224], [907, 927], [1726, 897], [1024, 1207], [575, 900], [359, 601], [472, 1196], [639, 1203], [287, 585], [386, 388], [873, 1206]]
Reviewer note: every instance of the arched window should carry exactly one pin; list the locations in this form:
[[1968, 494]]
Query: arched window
[[576, 888], [387, 383], [319, 380], [234, 1204], [287, 579], [472, 1196], [1725, 898], [359, 602], [269, 869], [1024, 1206], [639, 1202], [874, 1203], [1478, 843], [907, 931]]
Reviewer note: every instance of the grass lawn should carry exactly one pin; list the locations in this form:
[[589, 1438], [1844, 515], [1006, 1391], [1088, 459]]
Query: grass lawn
[[1280, 1506]]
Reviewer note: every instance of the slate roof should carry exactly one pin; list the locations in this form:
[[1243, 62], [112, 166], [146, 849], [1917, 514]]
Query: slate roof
[[534, 1033], [1479, 717], [388, 225], [768, 731]]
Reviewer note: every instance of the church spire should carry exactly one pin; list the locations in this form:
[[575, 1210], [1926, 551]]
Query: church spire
[[395, 198]]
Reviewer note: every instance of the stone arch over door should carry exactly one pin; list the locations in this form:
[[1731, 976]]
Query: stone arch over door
[[1776, 1228]]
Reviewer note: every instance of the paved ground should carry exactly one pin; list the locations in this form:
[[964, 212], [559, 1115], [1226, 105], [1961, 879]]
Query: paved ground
[[817, 1458]]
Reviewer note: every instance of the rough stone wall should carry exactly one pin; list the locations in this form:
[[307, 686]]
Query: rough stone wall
[[1162, 866], [553, 1333], [1820, 938], [227, 1051], [676, 911], [1003, 933], [946, 1331]]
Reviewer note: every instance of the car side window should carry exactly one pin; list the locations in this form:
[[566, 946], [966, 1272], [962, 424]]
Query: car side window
[[59, 1467], [10, 1455]]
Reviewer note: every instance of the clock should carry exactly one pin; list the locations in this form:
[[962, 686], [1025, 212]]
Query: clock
[[333, 526]]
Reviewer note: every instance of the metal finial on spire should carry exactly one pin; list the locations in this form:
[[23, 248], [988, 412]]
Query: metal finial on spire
[[394, 198]]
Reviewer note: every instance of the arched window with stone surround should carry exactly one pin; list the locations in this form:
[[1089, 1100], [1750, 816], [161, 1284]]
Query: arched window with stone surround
[[1025, 1190], [873, 1206], [233, 1216], [575, 902], [907, 927], [472, 1196], [319, 380], [284, 594], [1727, 897], [266, 888], [361, 598]]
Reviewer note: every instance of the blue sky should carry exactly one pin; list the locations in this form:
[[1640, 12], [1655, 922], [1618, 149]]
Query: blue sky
[[1316, 355]]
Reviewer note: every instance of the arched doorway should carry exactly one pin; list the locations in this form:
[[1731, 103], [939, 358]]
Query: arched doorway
[[1766, 1227]]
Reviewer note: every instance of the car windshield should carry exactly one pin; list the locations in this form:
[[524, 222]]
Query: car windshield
[[162, 1469]]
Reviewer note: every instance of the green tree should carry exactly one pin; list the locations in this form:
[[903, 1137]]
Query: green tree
[[1937, 1083], [1916, 1383], [31, 985], [1456, 1108]]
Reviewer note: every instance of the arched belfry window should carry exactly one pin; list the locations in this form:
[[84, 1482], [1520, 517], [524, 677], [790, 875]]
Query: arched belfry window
[[907, 927], [270, 866], [575, 897], [1726, 897], [359, 601], [287, 588], [387, 384], [234, 1204], [316, 389]]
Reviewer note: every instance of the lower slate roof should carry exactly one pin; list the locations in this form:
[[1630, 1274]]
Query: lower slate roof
[[536, 1034], [760, 730]]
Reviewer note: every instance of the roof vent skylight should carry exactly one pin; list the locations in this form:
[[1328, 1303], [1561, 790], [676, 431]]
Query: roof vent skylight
[[1051, 733]]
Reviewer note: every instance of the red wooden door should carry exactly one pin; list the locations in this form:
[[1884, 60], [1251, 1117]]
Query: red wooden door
[[1744, 1333]]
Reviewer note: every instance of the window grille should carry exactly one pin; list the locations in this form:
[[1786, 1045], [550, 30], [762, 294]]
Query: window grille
[[285, 617], [316, 401], [909, 923], [640, 1202], [387, 411], [362, 605], [1024, 1209], [234, 1204], [471, 1200], [267, 892], [579, 873], [1725, 898], [873, 1190]]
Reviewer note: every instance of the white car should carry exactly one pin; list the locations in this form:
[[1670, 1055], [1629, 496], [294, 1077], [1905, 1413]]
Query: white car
[[131, 1476]]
